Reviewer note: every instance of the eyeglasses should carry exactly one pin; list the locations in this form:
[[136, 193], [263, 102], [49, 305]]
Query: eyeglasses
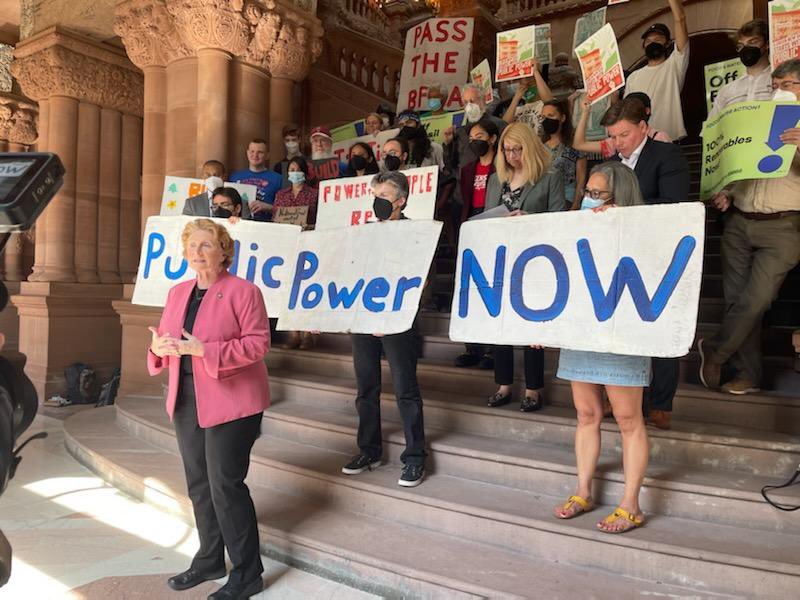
[[516, 150], [597, 194], [785, 85], [751, 44], [226, 205]]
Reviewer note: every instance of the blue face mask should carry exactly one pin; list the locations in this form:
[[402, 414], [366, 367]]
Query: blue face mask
[[296, 176], [434, 103], [588, 203]]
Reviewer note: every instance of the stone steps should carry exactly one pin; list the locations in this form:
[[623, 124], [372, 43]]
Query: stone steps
[[765, 412], [315, 531]]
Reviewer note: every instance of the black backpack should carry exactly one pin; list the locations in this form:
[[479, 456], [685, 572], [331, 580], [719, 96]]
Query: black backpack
[[82, 387], [109, 390]]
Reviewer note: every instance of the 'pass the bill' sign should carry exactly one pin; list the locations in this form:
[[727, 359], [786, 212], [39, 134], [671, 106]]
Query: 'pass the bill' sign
[[360, 279], [625, 281], [264, 255], [348, 201]]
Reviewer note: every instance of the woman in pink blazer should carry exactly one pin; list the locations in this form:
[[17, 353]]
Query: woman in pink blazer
[[212, 337]]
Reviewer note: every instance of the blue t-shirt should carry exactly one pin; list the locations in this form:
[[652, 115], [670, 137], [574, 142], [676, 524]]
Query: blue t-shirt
[[267, 184]]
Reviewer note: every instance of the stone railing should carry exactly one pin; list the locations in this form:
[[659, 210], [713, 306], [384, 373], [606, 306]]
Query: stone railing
[[362, 16], [368, 64], [519, 10]]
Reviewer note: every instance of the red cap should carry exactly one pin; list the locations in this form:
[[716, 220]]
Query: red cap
[[323, 131]]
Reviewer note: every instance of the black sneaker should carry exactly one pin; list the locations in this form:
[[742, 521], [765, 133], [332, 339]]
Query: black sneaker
[[360, 463], [467, 360], [411, 475]]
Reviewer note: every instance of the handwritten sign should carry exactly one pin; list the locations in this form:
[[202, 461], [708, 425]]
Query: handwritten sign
[[437, 54], [291, 215], [376, 142], [625, 281], [360, 279], [348, 201], [178, 189], [600, 64], [264, 254]]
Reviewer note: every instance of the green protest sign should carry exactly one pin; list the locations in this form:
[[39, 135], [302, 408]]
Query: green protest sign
[[346, 132], [719, 75], [743, 142]]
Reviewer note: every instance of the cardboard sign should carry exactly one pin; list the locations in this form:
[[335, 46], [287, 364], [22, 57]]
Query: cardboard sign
[[291, 215], [515, 52], [376, 142], [321, 169], [720, 74], [482, 77], [743, 142], [595, 130], [437, 54], [587, 25], [543, 44], [600, 64], [360, 279], [784, 31], [625, 281], [348, 201], [348, 131], [265, 255], [435, 125], [178, 189]]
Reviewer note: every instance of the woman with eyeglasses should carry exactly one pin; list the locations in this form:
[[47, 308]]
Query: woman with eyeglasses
[[611, 184], [525, 183]]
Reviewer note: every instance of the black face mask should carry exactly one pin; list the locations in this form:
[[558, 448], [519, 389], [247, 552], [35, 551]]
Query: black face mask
[[392, 163], [409, 133], [221, 213], [654, 50], [479, 147], [749, 55], [382, 208], [359, 163], [550, 126]]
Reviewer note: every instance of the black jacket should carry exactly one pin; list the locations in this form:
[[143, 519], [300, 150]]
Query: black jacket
[[663, 173]]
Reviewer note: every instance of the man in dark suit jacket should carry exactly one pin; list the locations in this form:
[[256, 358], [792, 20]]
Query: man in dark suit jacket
[[200, 205], [663, 174]]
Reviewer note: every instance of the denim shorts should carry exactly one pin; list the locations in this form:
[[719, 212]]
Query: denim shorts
[[604, 368]]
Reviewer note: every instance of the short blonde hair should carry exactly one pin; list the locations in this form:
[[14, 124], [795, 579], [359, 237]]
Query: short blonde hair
[[535, 157], [219, 232]]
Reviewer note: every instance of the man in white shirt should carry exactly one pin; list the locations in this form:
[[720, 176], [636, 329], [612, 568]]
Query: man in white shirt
[[753, 48], [662, 77]]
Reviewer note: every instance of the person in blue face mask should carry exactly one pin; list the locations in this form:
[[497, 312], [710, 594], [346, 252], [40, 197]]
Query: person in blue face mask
[[611, 185]]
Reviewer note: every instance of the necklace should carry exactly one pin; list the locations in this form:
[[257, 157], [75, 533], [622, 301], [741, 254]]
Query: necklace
[[198, 293]]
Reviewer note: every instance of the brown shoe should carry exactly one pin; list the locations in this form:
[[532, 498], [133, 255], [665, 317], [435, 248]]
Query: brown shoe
[[740, 387], [660, 419], [710, 372]]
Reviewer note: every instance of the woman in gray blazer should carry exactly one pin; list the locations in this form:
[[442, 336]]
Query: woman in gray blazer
[[524, 183]]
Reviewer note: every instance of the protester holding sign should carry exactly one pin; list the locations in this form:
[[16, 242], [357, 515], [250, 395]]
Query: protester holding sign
[[227, 204], [756, 84], [531, 111], [623, 377], [218, 390], [422, 152], [402, 351], [524, 183], [361, 161], [267, 182], [299, 193], [557, 134], [760, 245], [662, 77]]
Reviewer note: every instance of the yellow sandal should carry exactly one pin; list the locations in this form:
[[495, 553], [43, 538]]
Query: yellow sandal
[[633, 521], [583, 504]]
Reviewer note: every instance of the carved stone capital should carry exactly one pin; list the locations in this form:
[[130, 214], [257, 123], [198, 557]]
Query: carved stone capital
[[17, 120], [294, 52], [6, 56], [211, 24], [148, 31], [57, 63]]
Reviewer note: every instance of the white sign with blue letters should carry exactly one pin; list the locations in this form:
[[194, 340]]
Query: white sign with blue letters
[[625, 281], [264, 254], [360, 279]]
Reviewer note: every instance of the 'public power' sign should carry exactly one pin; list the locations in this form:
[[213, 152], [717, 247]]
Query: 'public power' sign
[[437, 54]]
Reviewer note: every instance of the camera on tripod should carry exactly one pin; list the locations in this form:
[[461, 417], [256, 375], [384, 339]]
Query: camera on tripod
[[28, 181]]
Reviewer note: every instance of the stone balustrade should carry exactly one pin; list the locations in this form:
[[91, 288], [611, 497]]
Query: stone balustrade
[[368, 64]]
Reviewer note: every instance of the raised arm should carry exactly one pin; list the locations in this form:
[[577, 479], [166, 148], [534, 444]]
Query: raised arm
[[579, 142], [681, 30], [545, 94]]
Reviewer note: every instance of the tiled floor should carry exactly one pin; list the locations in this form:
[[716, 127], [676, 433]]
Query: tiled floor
[[75, 537]]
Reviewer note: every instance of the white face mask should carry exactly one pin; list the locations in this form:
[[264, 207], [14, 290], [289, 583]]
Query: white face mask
[[472, 112], [783, 96], [212, 183], [292, 147]]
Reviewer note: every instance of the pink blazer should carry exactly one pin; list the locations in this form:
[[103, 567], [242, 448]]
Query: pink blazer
[[230, 380]]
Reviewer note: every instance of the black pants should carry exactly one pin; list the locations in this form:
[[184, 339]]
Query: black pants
[[216, 460], [402, 351], [666, 372], [504, 367]]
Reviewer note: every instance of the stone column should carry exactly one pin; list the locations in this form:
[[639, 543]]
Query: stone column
[[129, 197], [213, 82], [40, 246], [281, 112], [181, 128], [153, 141], [108, 205], [87, 173], [249, 112]]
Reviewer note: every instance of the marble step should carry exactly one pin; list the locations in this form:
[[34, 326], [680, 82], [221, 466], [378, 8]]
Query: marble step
[[768, 412], [349, 546]]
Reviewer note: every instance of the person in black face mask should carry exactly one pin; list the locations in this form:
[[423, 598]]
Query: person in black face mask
[[422, 151], [226, 204], [557, 135], [395, 154], [362, 161], [663, 76], [402, 351]]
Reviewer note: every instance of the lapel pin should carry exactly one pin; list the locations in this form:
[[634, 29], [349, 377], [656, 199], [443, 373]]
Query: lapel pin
[[219, 295]]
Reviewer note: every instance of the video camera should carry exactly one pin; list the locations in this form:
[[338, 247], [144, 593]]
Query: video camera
[[28, 181]]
